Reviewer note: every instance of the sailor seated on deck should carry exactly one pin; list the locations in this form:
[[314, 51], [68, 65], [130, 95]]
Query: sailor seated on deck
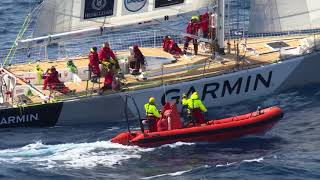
[[51, 80], [152, 115], [106, 55], [108, 77], [136, 60], [195, 108], [171, 47]]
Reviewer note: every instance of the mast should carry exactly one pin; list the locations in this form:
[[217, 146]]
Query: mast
[[220, 26]]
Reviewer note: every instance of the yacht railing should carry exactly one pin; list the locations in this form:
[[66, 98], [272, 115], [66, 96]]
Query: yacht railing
[[81, 46]]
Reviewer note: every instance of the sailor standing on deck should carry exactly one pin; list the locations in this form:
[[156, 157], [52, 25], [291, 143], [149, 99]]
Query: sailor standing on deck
[[152, 114], [204, 24], [192, 29], [195, 108], [94, 64]]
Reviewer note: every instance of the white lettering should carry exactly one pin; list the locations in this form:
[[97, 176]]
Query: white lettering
[[34, 117], [11, 120], [3, 121], [20, 119]]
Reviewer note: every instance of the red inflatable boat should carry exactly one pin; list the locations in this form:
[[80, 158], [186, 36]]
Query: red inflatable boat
[[257, 122]]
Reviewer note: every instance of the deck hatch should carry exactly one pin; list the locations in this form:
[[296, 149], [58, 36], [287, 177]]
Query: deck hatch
[[277, 45]]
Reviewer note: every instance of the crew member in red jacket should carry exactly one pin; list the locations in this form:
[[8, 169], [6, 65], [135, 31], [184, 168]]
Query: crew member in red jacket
[[52, 81], [94, 62], [138, 60], [106, 56], [166, 43], [192, 28], [204, 24]]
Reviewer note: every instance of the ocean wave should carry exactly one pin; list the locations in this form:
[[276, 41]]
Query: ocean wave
[[82, 155]]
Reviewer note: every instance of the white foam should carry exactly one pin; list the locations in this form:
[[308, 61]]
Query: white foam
[[254, 160], [177, 144], [226, 165], [179, 173], [81, 155]]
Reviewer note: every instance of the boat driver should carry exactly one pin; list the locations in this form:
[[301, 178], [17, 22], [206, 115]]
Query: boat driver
[[152, 115], [195, 108]]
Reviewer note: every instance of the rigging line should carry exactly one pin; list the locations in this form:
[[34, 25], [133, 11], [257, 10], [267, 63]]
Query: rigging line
[[14, 45], [18, 38], [24, 28]]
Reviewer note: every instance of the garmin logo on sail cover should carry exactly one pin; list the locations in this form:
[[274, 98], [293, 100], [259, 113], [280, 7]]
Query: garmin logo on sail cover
[[19, 119], [134, 5]]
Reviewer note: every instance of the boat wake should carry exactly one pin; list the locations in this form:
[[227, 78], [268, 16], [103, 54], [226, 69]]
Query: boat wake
[[70, 155], [201, 168], [177, 144]]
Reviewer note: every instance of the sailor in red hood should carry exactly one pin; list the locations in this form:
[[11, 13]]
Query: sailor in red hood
[[192, 28], [52, 81], [106, 56], [94, 62], [166, 43], [138, 59]]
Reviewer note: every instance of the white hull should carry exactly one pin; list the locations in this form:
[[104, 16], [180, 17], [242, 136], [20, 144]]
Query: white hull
[[215, 91]]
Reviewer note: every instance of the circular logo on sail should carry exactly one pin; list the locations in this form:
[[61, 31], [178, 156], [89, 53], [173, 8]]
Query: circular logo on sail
[[99, 4], [134, 5]]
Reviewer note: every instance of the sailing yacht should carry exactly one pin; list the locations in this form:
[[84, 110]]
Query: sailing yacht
[[278, 51]]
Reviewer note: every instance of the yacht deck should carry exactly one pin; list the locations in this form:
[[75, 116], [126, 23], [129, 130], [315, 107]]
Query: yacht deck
[[186, 68]]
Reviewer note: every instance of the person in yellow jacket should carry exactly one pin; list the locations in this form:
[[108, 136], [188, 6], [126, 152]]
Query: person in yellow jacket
[[152, 114], [39, 73], [195, 107]]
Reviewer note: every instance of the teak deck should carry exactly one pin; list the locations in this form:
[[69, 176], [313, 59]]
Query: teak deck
[[261, 56]]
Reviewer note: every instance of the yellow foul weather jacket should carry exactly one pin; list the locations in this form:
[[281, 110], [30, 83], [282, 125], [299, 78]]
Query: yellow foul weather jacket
[[194, 103], [151, 110]]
